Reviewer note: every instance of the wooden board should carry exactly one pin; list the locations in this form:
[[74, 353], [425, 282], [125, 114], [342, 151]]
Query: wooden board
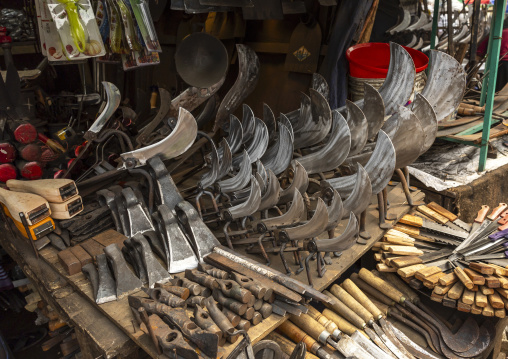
[[495, 131], [119, 311]]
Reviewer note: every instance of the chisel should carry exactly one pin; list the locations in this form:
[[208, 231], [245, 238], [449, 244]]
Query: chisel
[[432, 226], [53, 190], [452, 217]]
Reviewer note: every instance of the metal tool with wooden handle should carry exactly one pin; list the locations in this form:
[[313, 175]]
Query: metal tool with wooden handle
[[482, 213], [67, 209], [298, 335], [324, 321], [362, 299], [352, 303], [340, 308], [452, 217], [381, 285], [53, 190], [34, 208]]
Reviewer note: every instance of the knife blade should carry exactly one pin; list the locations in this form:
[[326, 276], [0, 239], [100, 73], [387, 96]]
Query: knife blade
[[452, 217], [439, 218], [430, 226], [482, 257], [482, 213], [415, 232]]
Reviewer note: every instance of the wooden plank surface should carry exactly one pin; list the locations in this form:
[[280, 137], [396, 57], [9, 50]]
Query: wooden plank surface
[[119, 311]]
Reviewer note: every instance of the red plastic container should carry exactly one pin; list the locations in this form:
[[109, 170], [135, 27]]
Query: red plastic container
[[371, 60]]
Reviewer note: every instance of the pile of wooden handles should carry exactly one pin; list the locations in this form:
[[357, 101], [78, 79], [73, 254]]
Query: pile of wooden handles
[[467, 109], [479, 289]]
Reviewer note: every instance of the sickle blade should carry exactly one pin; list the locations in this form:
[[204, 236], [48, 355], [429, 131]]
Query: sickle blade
[[281, 152], [318, 125], [359, 199], [292, 215], [408, 138], [374, 109], [335, 211], [272, 194], [251, 205], [299, 118], [248, 123], [245, 83], [358, 126], [226, 160], [404, 24], [113, 101], [313, 227], [235, 135], [320, 85], [261, 170], [342, 242], [211, 176], [334, 152], [283, 119], [422, 20], [241, 179], [299, 184], [258, 144], [445, 85], [269, 120], [425, 113], [176, 143]]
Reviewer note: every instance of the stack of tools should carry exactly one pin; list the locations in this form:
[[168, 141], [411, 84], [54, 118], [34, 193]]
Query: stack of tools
[[433, 253]]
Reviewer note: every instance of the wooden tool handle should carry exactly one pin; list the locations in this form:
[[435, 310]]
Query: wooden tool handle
[[342, 324], [381, 285], [351, 302], [397, 283], [432, 214], [310, 326], [53, 190], [342, 309], [442, 211], [448, 279], [456, 291], [482, 268], [482, 213], [503, 218], [362, 298], [463, 277], [371, 291], [286, 345], [329, 325], [297, 335], [27, 203], [497, 211], [405, 261], [411, 220], [412, 231]]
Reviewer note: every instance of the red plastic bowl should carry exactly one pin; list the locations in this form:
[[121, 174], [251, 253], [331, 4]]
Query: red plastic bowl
[[371, 60]]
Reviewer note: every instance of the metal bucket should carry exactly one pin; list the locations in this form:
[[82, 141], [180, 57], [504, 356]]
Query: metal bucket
[[355, 85]]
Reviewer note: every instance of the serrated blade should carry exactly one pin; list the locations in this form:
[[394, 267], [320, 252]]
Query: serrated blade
[[465, 226], [440, 229]]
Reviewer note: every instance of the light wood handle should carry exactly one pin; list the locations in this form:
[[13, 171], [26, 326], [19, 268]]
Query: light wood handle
[[480, 299], [53, 190], [432, 214], [497, 211], [488, 311], [406, 261], [412, 231], [381, 285], [463, 277], [329, 325], [351, 302], [476, 309], [310, 326], [442, 211], [448, 279], [411, 220], [482, 213], [486, 290], [370, 290], [356, 293], [342, 309], [297, 335], [343, 325], [442, 289], [397, 283], [496, 301], [475, 277], [482, 268], [27, 203], [286, 345], [500, 313]]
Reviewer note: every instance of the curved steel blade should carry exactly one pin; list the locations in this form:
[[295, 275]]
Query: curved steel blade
[[248, 207], [272, 193], [358, 127], [283, 119], [269, 120], [404, 23], [299, 184], [258, 144], [413, 41], [359, 199], [318, 125], [211, 176], [342, 242], [241, 179], [112, 103], [313, 227], [422, 20], [248, 123], [425, 113], [245, 83], [373, 108], [176, 143], [261, 170], [445, 84], [335, 150], [292, 215], [320, 85], [165, 104], [299, 117], [235, 135], [226, 159], [278, 156], [380, 167], [408, 137], [335, 211]]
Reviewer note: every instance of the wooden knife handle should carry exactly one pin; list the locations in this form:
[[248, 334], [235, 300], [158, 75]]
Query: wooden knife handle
[[351, 302], [342, 309], [432, 214], [463, 277], [297, 335], [412, 231], [310, 326], [482, 213], [362, 298], [442, 211], [381, 285], [329, 325], [497, 211], [411, 220]]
